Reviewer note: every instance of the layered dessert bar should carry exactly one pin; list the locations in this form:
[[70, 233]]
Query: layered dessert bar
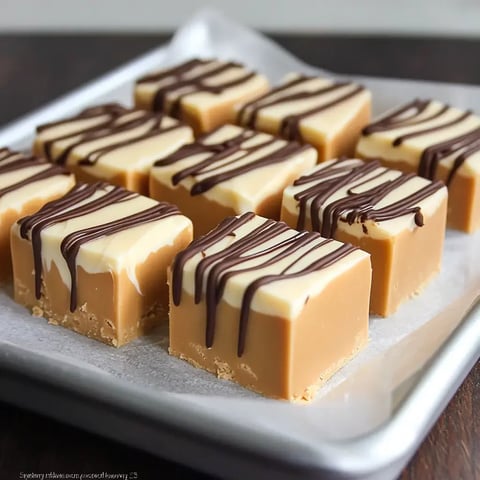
[[95, 261], [203, 93], [276, 310], [26, 184], [398, 218], [111, 143], [229, 172], [437, 142], [324, 113]]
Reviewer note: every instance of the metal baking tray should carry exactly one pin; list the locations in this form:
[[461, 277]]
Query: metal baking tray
[[369, 418]]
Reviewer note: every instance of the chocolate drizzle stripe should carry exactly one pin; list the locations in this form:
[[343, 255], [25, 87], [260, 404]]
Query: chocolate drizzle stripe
[[71, 243], [184, 83], [216, 269], [80, 201], [464, 145], [356, 206], [13, 161], [214, 167], [116, 123], [290, 125], [398, 119]]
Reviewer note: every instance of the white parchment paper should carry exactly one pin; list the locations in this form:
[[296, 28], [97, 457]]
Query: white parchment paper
[[362, 395]]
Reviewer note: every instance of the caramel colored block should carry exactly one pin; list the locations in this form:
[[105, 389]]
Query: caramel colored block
[[398, 218], [228, 172], [437, 142], [26, 184], [265, 306], [324, 113], [95, 261], [203, 93], [112, 143]]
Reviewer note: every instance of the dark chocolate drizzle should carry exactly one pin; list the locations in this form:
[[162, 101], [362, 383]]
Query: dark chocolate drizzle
[[213, 271], [210, 167], [464, 145], [356, 207], [11, 161], [290, 125], [68, 208], [183, 81], [113, 124]]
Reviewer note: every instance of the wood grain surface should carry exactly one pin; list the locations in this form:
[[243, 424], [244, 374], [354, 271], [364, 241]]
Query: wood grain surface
[[36, 69]]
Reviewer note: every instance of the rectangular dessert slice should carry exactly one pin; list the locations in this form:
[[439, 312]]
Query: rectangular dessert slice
[[95, 261], [203, 93], [26, 184], [230, 171], [398, 218], [112, 143], [276, 310], [437, 142], [324, 113]]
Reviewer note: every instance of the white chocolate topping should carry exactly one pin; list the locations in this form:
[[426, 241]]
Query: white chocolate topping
[[24, 179], [246, 190], [407, 133], [263, 256], [110, 140], [109, 251], [198, 85], [337, 182], [320, 105]]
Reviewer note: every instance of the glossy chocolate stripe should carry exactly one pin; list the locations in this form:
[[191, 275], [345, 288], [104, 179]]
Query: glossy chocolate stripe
[[44, 174], [216, 269], [355, 206], [221, 151], [118, 122], [71, 243], [465, 145], [65, 209], [184, 83]]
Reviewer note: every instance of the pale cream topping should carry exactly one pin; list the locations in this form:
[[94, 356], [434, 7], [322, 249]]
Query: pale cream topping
[[380, 144], [41, 190], [197, 100], [124, 250], [246, 191], [379, 176], [131, 149], [287, 297], [326, 123]]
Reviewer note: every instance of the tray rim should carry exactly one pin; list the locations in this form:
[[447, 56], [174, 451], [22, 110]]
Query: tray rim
[[366, 456]]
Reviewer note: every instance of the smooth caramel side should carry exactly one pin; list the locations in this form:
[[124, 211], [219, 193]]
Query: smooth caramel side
[[110, 308], [402, 265], [283, 358]]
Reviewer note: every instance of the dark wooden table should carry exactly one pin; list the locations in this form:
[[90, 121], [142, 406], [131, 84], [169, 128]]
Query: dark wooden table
[[36, 69]]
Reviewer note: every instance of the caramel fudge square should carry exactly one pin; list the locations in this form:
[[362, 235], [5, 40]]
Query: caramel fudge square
[[229, 172], [111, 143], [398, 218], [95, 261], [275, 310], [203, 93], [26, 184], [322, 112], [437, 142]]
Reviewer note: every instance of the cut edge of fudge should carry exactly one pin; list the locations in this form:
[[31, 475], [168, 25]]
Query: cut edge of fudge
[[326, 113], [228, 172], [245, 302], [437, 142], [111, 143], [26, 184], [398, 218], [202, 92], [95, 261]]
